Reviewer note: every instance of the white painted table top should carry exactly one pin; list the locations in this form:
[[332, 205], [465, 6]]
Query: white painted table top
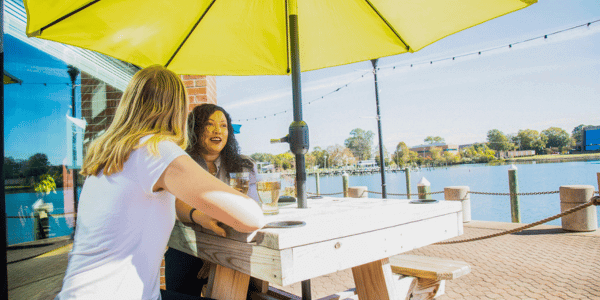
[[340, 233]]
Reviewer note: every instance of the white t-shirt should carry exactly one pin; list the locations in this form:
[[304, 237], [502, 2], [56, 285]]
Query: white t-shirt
[[122, 230]]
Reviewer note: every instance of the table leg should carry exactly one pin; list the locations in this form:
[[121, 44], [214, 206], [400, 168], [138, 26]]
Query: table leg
[[261, 285], [226, 284], [375, 281]]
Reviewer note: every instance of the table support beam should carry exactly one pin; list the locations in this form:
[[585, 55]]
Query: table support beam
[[375, 281], [225, 283]]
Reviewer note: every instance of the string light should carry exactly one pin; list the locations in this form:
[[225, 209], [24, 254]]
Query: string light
[[318, 98], [545, 36]]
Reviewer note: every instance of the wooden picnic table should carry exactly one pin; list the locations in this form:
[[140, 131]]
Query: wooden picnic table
[[340, 233]]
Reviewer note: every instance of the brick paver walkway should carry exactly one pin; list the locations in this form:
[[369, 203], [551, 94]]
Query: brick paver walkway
[[544, 262]]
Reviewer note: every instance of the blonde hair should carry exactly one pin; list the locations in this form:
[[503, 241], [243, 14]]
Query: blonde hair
[[154, 102]]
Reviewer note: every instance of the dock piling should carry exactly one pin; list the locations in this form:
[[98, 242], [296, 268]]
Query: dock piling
[[513, 184], [460, 193], [575, 195]]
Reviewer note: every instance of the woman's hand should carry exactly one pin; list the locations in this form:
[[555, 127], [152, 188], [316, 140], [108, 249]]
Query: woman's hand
[[186, 180], [208, 222]]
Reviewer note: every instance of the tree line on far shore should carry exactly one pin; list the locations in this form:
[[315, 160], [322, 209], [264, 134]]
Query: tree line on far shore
[[359, 147], [24, 173]]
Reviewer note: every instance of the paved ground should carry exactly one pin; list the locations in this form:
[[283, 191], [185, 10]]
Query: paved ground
[[544, 262]]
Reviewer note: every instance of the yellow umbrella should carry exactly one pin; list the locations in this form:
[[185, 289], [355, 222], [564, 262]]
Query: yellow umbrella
[[237, 37]]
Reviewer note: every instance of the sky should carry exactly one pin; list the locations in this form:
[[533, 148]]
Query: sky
[[34, 113], [535, 85], [553, 82]]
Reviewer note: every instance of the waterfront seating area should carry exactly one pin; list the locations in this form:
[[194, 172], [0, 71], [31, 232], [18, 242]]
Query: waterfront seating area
[[544, 262]]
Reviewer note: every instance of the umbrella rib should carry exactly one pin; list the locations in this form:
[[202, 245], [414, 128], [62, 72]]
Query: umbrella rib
[[189, 33], [67, 15], [388, 25]]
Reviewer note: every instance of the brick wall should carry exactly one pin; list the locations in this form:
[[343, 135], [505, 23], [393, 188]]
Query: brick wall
[[99, 100], [201, 89]]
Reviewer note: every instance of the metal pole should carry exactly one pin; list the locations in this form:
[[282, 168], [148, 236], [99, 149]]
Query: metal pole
[[73, 73], [4, 272], [381, 160], [297, 99]]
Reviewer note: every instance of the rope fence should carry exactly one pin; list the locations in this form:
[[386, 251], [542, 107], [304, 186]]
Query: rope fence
[[593, 201], [441, 192]]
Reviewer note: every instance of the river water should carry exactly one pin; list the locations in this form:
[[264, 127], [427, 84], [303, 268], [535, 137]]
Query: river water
[[532, 177], [537, 177]]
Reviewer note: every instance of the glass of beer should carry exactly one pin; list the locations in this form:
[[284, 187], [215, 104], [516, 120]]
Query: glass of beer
[[240, 181], [268, 187]]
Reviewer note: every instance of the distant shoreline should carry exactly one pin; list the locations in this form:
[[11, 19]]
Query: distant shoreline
[[556, 158]]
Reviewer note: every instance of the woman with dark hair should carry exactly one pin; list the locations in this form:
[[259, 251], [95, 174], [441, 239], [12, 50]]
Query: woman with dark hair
[[214, 147]]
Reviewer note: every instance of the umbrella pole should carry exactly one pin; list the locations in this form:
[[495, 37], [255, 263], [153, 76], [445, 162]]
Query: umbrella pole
[[298, 132], [381, 160], [298, 129]]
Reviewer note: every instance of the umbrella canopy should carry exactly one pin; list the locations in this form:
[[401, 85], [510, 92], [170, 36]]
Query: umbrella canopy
[[235, 37], [8, 79]]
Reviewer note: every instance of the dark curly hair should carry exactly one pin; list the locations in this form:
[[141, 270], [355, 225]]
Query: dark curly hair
[[231, 158]]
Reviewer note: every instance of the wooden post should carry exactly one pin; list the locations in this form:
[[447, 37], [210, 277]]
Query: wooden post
[[574, 195], [41, 226], [598, 174], [460, 193], [345, 183], [407, 173], [317, 182], [424, 189], [513, 183]]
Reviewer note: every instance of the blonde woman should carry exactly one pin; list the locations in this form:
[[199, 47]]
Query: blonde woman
[[127, 210]]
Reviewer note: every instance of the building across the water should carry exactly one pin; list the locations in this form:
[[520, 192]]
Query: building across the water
[[425, 150]]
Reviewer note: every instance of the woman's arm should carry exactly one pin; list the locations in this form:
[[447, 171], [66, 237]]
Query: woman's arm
[[185, 179], [183, 214]]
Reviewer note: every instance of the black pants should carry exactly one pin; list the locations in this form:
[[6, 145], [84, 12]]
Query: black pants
[[170, 295], [181, 273]]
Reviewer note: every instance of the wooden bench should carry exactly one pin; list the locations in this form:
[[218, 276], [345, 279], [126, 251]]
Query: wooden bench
[[417, 277], [430, 274]]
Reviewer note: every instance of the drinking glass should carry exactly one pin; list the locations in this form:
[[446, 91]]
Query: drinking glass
[[268, 187], [240, 181]]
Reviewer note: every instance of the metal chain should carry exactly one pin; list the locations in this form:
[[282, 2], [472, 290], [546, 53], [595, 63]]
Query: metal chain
[[510, 194], [433, 193], [594, 201], [321, 194]]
